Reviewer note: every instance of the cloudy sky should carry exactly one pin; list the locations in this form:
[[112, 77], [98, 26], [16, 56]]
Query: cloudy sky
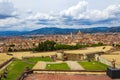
[[24, 15]]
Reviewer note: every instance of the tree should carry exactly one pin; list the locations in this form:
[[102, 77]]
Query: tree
[[46, 46], [99, 44], [12, 45], [9, 50]]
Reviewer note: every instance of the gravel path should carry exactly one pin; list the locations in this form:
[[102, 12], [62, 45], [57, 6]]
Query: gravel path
[[40, 65], [74, 65]]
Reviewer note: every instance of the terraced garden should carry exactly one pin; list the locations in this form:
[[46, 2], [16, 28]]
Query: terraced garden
[[18, 66]]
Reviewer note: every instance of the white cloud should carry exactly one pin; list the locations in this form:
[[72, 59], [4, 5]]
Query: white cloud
[[80, 8], [6, 8], [77, 16], [97, 15], [40, 16], [8, 21], [113, 11], [80, 11]]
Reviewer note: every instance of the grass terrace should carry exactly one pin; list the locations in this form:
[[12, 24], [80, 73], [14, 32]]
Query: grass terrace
[[36, 59], [18, 66], [93, 65], [57, 66]]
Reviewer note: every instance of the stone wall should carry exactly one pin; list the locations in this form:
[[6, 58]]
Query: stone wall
[[105, 61], [5, 63], [77, 57]]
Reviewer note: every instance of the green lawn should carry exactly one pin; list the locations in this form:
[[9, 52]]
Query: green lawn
[[58, 66], [18, 66], [36, 59], [93, 65]]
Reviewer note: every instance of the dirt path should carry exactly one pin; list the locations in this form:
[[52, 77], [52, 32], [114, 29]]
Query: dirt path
[[40, 65]]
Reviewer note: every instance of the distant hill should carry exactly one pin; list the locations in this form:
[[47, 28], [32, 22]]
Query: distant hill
[[114, 29], [12, 33], [54, 30]]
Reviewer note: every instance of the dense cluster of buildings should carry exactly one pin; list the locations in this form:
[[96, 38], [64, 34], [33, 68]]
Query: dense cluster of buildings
[[31, 41]]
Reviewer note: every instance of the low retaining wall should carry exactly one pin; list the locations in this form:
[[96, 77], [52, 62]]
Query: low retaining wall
[[74, 57], [67, 71], [25, 74], [105, 61], [71, 70], [5, 63], [102, 60]]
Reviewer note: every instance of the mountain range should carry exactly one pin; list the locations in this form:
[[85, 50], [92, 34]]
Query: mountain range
[[54, 30]]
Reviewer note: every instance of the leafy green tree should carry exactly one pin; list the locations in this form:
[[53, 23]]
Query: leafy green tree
[[46, 46], [10, 50], [51, 46], [12, 45], [99, 44]]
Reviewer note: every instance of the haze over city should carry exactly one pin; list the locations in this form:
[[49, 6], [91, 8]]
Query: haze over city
[[27, 15]]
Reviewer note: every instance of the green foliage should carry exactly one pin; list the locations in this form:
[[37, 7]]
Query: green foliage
[[69, 47], [99, 44], [51, 46], [10, 50], [118, 45], [20, 50], [12, 45], [46, 46]]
